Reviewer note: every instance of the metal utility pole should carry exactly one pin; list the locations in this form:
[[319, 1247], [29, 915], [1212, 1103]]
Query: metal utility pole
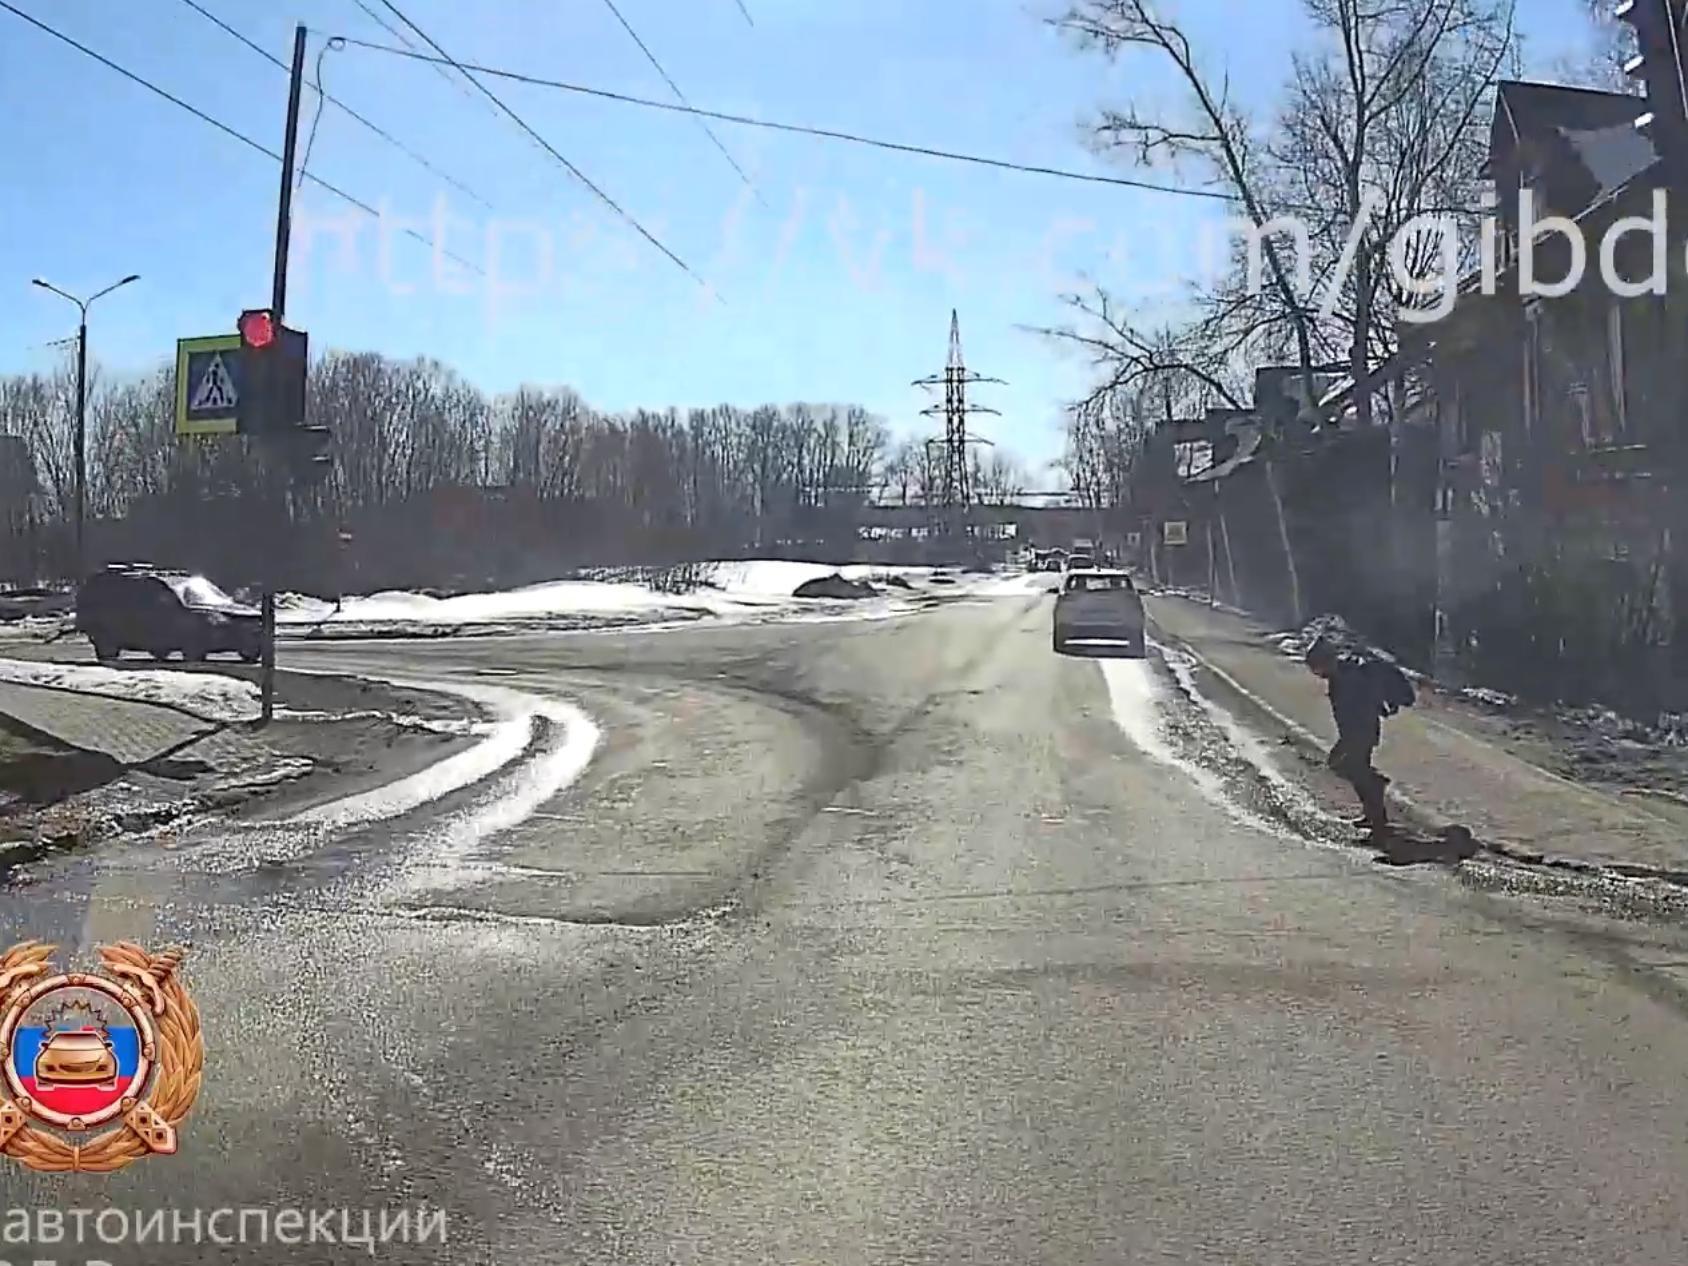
[[956, 482], [278, 306], [81, 450]]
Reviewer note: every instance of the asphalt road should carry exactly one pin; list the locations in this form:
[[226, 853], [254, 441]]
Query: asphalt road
[[886, 942]]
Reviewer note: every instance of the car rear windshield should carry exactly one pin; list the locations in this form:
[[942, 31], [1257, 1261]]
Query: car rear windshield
[[199, 592], [1098, 584]]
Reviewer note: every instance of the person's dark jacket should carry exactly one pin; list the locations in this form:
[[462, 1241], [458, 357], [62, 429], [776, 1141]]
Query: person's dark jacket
[[1355, 701]]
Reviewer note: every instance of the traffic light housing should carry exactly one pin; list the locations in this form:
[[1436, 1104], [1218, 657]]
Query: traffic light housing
[[310, 456], [273, 366], [1661, 40]]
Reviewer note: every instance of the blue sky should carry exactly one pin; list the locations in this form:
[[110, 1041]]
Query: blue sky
[[835, 275]]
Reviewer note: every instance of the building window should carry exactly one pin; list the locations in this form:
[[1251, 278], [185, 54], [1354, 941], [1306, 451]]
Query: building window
[[1532, 366], [1457, 439]]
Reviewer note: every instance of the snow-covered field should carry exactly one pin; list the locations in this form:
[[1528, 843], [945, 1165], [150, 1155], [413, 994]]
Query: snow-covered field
[[209, 696], [758, 589]]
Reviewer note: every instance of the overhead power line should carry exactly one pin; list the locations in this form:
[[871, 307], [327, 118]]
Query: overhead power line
[[746, 13], [224, 128], [831, 134], [399, 35], [548, 147], [392, 140], [678, 94]]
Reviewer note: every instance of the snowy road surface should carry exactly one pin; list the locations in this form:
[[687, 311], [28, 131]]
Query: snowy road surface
[[887, 941]]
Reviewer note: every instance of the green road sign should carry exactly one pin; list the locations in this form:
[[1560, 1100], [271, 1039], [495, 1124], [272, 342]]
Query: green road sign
[[208, 382]]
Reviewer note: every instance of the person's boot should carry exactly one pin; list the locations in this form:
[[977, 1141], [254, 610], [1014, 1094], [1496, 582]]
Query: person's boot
[[1376, 818], [1376, 815]]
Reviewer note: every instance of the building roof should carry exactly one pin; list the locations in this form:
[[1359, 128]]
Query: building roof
[[1574, 146], [1533, 111]]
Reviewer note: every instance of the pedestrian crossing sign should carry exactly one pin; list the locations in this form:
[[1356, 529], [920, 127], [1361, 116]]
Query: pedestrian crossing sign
[[208, 381]]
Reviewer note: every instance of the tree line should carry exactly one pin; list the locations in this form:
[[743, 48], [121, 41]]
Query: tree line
[[430, 474]]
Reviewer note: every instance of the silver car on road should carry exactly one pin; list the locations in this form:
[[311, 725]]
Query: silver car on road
[[1099, 612]]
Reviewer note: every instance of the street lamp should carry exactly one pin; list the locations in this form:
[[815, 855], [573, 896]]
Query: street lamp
[[82, 306]]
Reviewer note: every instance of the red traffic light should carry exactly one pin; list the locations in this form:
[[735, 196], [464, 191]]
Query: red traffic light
[[257, 328]]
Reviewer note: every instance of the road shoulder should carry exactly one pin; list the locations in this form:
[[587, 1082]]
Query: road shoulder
[[81, 769], [1446, 767]]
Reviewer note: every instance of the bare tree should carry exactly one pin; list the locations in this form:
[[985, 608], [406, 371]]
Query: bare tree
[[1190, 365], [1383, 124], [436, 481], [998, 477], [1211, 131], [900, 472], [1380, 124], [1105, 435]]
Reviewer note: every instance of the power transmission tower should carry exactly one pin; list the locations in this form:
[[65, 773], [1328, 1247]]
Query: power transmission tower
[[955, 488]]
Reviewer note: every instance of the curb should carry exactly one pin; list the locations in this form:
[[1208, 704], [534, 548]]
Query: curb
[[1312, 745]]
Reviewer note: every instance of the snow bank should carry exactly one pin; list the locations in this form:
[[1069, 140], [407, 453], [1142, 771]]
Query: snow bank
[[561, 597], [766, 577], [1333, 628], [209, 696], [1019, 586], [752, 588]]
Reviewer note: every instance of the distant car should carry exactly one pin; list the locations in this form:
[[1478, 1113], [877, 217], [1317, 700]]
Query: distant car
[[1100, 611], [943, 576], [20, 604], [138, 607], [1080, 562]]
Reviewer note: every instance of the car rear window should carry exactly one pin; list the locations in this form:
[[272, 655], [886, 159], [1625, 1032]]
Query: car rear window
[[200, 592], [1098, 584]]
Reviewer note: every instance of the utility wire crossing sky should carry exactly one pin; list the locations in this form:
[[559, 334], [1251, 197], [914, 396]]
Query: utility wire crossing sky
[[860, 263]]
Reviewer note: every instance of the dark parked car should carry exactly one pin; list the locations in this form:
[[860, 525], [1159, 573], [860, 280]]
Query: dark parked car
[[138, 607], [1099, 611]]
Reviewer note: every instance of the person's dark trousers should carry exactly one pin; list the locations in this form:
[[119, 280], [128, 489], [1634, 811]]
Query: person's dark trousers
[[1351, 758]]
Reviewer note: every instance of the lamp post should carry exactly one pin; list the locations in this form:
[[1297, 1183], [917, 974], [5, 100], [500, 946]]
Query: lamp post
[[82, 306]]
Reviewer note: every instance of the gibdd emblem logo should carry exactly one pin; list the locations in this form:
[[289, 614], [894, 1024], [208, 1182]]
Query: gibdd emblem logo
[[83, 1050]]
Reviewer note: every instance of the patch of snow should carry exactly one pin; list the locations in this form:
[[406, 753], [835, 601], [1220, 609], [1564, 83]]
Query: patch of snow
[[457, 727], [746, 590], [1014, 586], [1137, 699], [561, 597], [508, 738], [1488, 698], [767, 577], [1335, 629], [1139, 702], [533, 784], [1669, 730], [208, 696]]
